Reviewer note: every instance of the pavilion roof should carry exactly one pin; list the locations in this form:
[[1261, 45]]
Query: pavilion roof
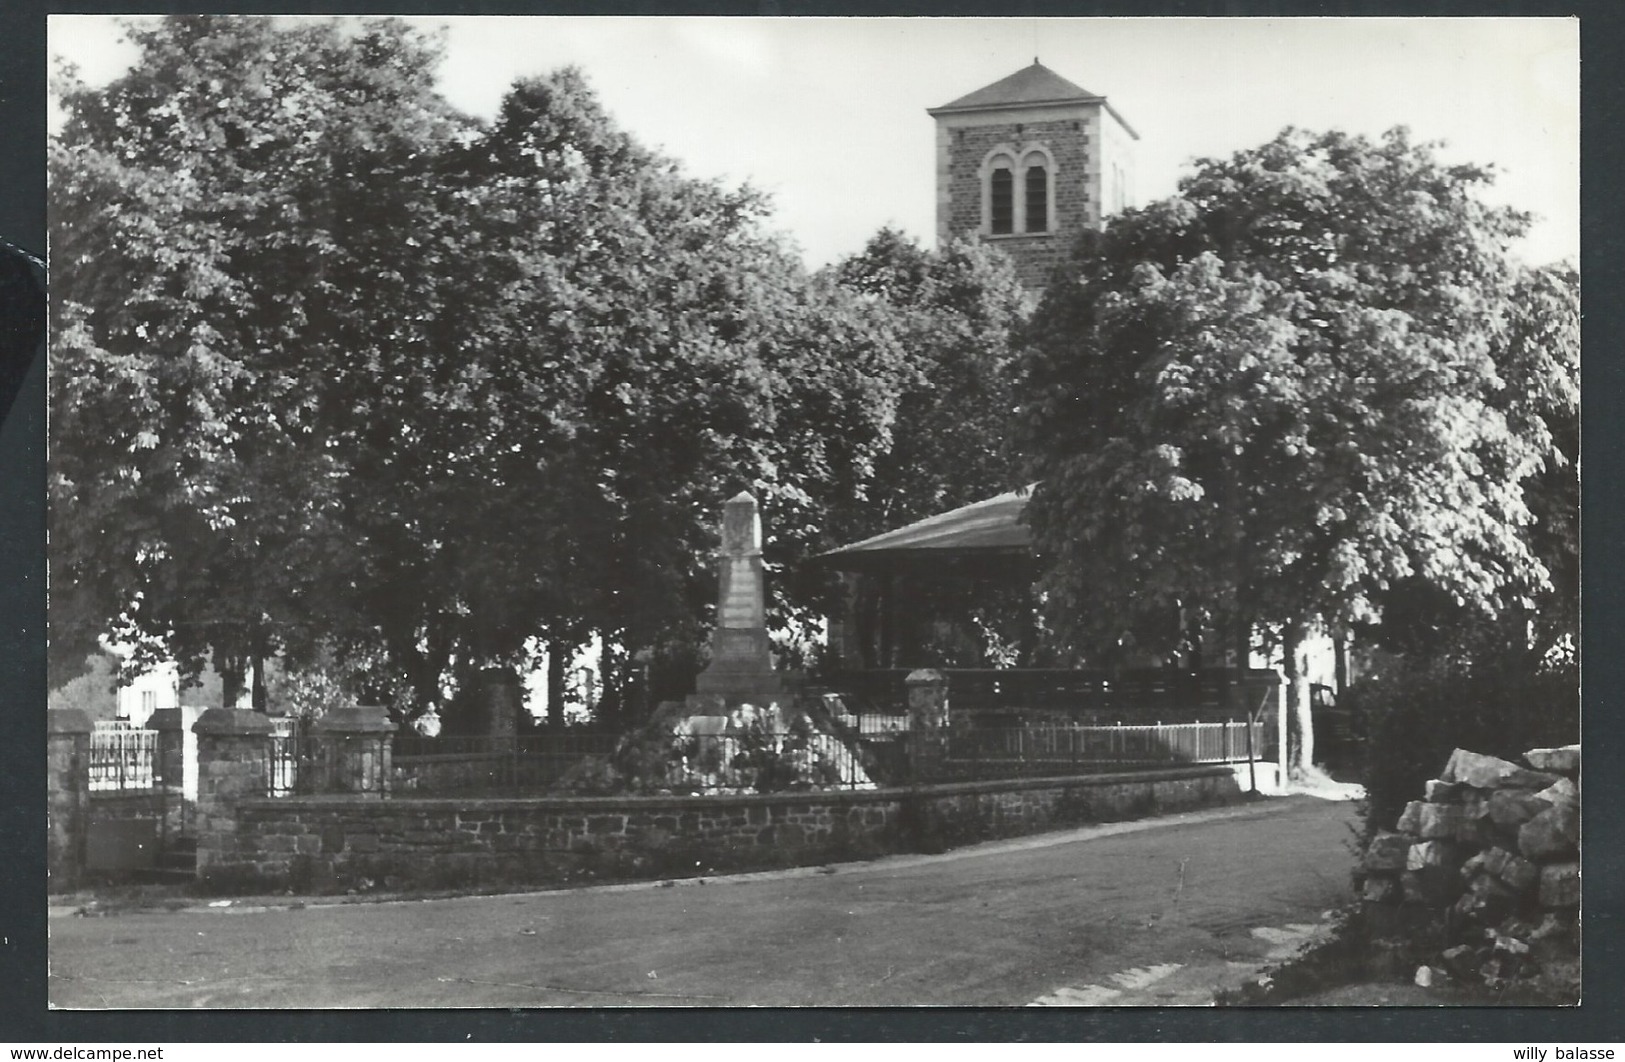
[[989, 527]]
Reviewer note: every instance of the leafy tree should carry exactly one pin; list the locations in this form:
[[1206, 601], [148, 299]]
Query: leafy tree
[[290, 416], [954, 312], [664, 350], [1543, 346], [22, 317], [1299, 383], [214, 214], [1539, 632]]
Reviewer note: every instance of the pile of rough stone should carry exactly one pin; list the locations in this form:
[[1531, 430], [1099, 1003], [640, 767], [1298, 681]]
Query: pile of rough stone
[[1487, 866]]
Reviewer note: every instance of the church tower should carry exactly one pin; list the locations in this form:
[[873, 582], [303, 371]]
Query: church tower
[[1027, 163]]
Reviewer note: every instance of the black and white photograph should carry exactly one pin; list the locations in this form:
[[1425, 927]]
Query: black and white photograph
[[866, 512]]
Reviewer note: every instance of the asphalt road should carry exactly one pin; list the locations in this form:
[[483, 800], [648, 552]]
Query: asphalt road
[[1157, 912]]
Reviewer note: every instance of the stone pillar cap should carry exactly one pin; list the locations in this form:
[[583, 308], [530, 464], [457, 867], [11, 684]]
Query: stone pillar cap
[[355, 719], [166, 719], [924, 675], [67, 721], [232, 721]]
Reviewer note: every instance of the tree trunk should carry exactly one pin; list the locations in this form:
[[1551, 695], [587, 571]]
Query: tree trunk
[[870, 619], [558, 667], [612, 666], [260, 698], [1301, 727], [846, 632], [464, 711], [888, 620], [231, 679]]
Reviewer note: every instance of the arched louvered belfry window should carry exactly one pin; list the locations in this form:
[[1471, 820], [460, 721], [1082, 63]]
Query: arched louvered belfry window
[[1018, 190], [1001, 201], [1037, 212]]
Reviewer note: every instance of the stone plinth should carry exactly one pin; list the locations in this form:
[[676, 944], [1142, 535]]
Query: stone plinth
[[353, 750], [741, 668], [67, 781], [233, 763]]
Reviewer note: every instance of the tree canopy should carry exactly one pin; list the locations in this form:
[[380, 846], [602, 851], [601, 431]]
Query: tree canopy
[[344, 375], [1311, 376], [211, 213], [956, 311]]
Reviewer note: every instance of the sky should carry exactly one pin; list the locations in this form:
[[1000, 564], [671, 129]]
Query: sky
[[828, 115]]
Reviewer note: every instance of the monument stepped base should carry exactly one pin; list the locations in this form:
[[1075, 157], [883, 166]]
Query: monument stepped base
[[719, 694]]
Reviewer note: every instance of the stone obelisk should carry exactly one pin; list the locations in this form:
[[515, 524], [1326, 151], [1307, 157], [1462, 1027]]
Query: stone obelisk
[[741, 668]]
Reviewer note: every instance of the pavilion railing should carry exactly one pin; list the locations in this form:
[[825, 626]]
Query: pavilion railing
[[1064, 749], [1073, 695]]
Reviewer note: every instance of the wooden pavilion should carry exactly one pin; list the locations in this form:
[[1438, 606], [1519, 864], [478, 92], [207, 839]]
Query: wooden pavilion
[[894, 583]]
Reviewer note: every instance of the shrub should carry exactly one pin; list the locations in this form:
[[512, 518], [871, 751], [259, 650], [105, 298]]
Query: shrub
[[1410, 720]]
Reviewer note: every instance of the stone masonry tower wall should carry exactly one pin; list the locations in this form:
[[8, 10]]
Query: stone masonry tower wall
[[1066, 159]]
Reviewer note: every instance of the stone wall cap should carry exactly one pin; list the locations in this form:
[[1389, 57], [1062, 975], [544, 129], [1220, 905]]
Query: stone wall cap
[[67, 721], [687, 802], [355, 719], [232, 721]]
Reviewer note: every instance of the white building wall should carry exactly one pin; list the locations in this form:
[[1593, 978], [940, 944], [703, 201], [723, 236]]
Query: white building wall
[[158, 688]]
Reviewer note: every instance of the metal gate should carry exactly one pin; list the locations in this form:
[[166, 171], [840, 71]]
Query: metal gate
[[137, 819]]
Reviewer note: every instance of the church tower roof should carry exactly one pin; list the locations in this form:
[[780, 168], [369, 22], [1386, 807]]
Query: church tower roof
[[1035, 84]]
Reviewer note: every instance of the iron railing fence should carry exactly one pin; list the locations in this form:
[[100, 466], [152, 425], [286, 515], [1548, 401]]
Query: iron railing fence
[[430, 765], [741, 761], [122, 758], [754, 759], [874, 723], [289, 768], [1061, 749]]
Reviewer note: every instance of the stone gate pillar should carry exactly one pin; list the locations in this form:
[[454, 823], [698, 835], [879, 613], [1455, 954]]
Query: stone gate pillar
[[353, 747], [233, 762], [927, 722], [67, 780]]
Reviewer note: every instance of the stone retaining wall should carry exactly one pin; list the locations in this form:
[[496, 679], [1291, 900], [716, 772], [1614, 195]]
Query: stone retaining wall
[[328, 843]]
